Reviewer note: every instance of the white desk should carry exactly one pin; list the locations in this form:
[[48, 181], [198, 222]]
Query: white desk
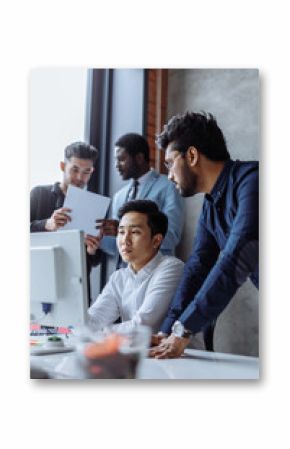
[[201, 365], [193, 365]]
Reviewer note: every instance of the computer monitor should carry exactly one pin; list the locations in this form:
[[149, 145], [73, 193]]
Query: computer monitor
[[58, 279]]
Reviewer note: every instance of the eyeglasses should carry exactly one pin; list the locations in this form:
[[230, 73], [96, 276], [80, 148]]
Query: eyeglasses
[[171, 163]]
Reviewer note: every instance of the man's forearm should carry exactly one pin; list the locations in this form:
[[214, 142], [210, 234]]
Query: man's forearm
[[37, 225]]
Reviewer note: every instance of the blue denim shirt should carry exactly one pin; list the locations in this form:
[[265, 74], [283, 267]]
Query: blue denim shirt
[[225, 251]]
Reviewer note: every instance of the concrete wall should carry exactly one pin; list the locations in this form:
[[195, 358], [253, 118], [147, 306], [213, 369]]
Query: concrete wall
[[232, 95]]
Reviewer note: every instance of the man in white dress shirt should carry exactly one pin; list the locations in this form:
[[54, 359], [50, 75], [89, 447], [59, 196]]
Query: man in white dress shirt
[[141, 292]]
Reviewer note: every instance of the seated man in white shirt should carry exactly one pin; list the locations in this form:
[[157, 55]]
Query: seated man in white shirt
[[141, 292]]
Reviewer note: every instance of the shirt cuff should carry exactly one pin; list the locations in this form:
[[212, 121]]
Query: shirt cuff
[[167, 325]]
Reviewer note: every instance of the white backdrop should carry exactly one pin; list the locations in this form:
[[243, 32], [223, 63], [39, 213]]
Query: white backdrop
[[154, 34]]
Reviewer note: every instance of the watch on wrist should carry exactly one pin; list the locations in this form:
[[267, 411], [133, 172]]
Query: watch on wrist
[[179, 330]]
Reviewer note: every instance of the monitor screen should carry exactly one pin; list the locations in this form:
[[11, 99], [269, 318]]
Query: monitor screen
[[58, 279]]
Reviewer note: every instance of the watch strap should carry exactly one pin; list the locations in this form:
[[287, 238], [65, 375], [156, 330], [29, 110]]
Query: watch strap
[[186, 333]]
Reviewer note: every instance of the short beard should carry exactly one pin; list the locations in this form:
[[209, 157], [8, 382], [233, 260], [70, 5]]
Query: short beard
[[189, 190], [186, 193]]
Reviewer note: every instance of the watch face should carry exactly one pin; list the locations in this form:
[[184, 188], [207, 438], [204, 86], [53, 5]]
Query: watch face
[[178, 328]]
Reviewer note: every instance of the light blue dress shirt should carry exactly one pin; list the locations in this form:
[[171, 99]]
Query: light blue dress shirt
[[157, 188]]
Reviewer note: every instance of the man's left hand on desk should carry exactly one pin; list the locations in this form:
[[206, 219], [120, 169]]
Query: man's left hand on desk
[[169, 348]]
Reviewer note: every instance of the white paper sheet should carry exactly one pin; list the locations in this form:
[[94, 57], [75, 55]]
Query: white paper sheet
[[86, 207]]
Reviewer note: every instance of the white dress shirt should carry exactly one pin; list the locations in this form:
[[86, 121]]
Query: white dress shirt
[[138, 298]]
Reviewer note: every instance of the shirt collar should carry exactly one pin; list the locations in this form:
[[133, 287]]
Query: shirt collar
[[143, 178], [219, 187], [147, 269]]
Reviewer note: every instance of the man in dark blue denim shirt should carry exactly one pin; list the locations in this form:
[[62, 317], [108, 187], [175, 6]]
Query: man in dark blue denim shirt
[[225, 251]]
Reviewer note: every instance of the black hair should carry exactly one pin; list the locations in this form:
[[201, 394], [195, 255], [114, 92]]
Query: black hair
[[157, 220], [81, 150], [195, 129], [134, 144]]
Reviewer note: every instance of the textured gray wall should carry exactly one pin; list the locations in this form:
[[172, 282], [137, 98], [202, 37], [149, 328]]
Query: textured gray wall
[[232, 95]]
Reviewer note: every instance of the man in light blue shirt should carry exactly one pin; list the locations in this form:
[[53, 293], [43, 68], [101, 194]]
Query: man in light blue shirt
[[132, 162]]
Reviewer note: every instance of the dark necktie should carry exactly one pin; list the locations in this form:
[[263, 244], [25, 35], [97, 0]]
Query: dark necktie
[[133, 190]]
